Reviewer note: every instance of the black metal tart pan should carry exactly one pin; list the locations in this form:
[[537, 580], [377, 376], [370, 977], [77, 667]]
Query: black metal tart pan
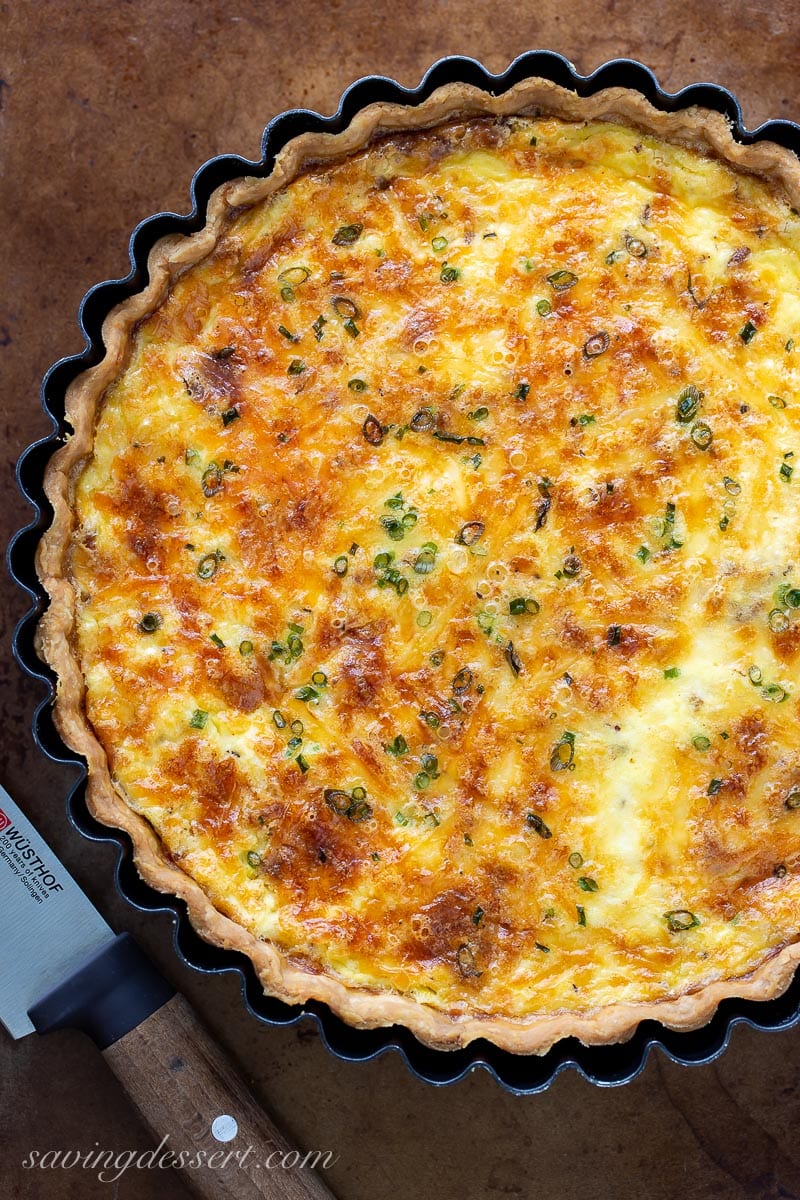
[[602, 1065]]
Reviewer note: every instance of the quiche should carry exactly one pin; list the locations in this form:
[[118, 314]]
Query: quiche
[[424, 576]]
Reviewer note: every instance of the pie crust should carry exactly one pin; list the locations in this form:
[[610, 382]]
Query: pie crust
[[170, 258]]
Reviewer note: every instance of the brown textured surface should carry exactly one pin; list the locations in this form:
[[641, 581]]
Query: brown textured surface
[[106, 109]]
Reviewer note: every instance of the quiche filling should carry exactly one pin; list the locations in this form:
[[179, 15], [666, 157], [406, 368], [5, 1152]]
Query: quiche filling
[[436, 569]]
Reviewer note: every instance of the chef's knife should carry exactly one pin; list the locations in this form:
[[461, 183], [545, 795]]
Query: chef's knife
[[62, 966]]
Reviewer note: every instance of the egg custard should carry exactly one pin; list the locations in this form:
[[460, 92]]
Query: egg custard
[[425, 569]]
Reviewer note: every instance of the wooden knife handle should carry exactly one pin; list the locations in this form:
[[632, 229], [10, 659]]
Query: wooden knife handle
[[189, 1092]]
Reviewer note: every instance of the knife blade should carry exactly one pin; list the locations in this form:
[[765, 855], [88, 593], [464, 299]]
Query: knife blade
[[48, 927], [63, 966]]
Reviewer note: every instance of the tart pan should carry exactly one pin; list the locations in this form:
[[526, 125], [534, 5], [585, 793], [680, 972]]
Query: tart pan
[[603, 1065]]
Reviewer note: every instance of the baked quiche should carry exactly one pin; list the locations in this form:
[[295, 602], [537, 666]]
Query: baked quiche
[[425, 576]]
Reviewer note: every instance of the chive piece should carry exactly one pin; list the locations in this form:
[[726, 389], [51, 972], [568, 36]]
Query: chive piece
[[462, 682], [207, 567], [536, 823], [421, 781], [290, 337], [302, 763], [774, 692], [253, 859], [229, 416], [572, 566], [217, 640], [792, 800], [513, 659], [470, 533], [614, 256], [150, 622], [672, 672], [317, 327], [688, 404], [319, 679], [635, 247], [211, 481], [563, 753], [372, 430], [347, 234], [793, 597], [278, 720], [786, 471], [430, 718], [778, 621], [246, 648], [643, 554], [701, 435], [714, 787], [397, 747], [477, 916], [424, 619], [296, 367], [561, 281], [340, 565], [345, 308], [544, 308], [478, 414], [523, 605], [584, 419], [614, 635], [581, 914], [307, 693], [438, 244], [541, 946], [596, 345], [198, 719], [575, 860], [449, 274], [296, 727], [777, 401], [294, 276], [357, 385], [701, 743], [680, 919], [532, 141], [748, 332]]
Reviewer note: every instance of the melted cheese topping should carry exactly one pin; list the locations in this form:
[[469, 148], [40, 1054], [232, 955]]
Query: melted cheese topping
[[436, 565]]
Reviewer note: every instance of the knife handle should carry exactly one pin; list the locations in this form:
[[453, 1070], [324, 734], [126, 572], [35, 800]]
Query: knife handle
[[187, 1091]]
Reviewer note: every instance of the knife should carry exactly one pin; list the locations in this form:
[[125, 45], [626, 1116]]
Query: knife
[[63, 966]]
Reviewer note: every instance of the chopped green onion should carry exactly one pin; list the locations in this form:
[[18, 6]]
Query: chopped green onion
[[462, 682], [478, 414], [701, 743], [774, 692], [347, 234], [253, 859], [614, 256], [581, 914], [544, 308], [290, 337], [477, 916], [319, 679], [522, 604], [777, 401], [688, 404], [449, 274], [246, 648], [587, 884], [439, 244], [512, 658], [397, 747], [643, 554], [198, 719], [424, 619], [278, 720], [372, 430], [755, 676], [470, 533], [302, 763], [614, 635], [537, 824], [748, 332], [150, 622], [296, 367], [421, 780], [294, 276], [560, 281], [229, 416], [786, 471], [296, 727], [792, 800], [635, 247], [714, 787], [522, 391], [778, 621], [357, 385], [672, 672], [340, 565], [575, 860], [680, 919], [701, 435], [563, 753], [596, 345]]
